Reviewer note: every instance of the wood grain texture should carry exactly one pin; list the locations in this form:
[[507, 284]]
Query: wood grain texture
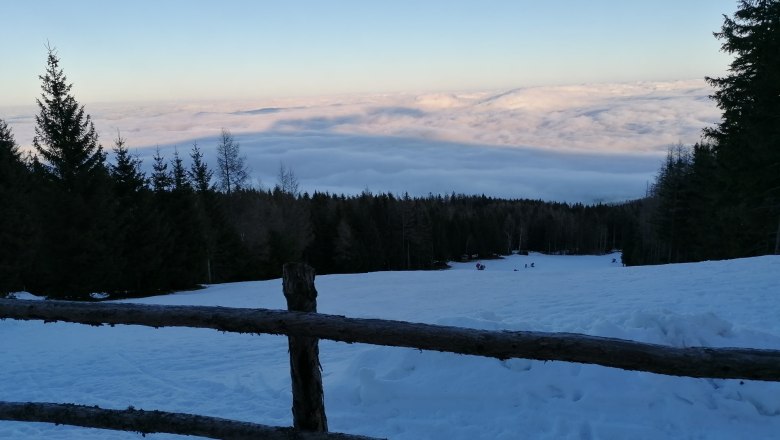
[[723, 363], [146, 422]]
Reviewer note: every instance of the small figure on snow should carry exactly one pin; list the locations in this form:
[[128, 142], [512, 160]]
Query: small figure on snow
[[480, 266], [532, 265]]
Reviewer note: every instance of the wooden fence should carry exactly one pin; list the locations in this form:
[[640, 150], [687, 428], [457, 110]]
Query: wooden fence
[[304, 327]]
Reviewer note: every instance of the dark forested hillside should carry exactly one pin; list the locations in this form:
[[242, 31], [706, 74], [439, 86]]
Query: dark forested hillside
[[77, 221], [129, 234], [178, 235]]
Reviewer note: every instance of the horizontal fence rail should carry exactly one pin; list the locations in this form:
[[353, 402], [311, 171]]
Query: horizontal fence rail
[[722, 363], [146, 422]]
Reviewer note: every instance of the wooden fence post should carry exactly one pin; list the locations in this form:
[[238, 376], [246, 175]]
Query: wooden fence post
[[308, 399]]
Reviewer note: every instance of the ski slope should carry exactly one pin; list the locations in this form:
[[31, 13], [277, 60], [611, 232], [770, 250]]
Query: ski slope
[[408, 394]]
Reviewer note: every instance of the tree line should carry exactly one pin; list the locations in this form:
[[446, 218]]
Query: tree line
[[77, 223]]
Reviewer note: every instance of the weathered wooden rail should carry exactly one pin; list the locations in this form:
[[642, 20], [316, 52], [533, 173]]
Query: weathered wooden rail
[[304, 328], [722, 363], [146, 422]]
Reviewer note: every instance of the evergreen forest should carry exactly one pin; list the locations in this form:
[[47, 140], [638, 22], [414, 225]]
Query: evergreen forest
[[75, 222], [720, 198]]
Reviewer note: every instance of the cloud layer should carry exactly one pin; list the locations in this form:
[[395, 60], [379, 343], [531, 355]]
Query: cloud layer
[[580, 143]]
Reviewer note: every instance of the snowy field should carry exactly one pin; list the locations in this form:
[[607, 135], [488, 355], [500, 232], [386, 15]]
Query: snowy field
[[408, 394]]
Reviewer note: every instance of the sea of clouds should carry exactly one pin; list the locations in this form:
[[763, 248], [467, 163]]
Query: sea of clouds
[[581, 143]]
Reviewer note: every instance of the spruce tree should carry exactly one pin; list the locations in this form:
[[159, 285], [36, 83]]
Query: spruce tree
[[186, 262], [206, 210], [179, 179], [747, 140], [16, 227], [161, 179], [199, 173], [10, 158], [138, 241], [65, 136], [670, 190], [126, 172], [75, 204], [11, 164]]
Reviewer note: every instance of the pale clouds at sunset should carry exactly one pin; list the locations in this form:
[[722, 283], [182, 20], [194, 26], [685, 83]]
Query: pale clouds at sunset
[[581, 143]]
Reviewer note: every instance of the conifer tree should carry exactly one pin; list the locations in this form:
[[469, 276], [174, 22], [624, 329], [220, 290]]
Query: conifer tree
[[65, 136], [179, 178], [161, 179], [126, 172], [188, 229], [199, 173], [10, 157], [747, 140], [140, 236], [75, 209], [15, 225], [11, 164]]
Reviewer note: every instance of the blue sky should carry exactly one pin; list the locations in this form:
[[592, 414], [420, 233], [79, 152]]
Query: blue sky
[[559, 100], [193, 50]]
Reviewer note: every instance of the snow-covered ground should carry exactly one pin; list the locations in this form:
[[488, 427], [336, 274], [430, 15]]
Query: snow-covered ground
[[409, 394]]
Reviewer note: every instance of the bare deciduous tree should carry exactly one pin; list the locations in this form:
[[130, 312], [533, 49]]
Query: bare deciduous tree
[[231, 166], [287, 182]]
